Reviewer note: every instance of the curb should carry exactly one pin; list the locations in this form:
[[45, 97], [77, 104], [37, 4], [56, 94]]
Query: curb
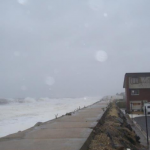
[[142, 131], [139, 127]]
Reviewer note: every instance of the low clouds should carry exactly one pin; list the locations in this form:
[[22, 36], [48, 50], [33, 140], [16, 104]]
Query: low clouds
[[60, 45]]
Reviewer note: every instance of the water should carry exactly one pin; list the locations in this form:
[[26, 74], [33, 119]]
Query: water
[[20, 114]]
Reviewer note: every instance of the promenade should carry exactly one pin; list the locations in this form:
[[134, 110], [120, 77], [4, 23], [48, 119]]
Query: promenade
[[69, 132]]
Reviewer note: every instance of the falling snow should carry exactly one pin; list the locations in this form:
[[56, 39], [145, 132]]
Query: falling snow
[[50, 81], [17, 53], [101, 56], [22, 2], [95, 5], [105, 15], [23, 88]]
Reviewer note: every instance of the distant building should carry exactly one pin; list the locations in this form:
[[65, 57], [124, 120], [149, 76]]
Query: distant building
[[137, 90]]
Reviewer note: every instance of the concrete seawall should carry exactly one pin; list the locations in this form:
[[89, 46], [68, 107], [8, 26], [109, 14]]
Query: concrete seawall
[[70, 132]]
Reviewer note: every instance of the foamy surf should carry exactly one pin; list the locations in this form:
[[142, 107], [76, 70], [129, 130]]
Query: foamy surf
[[20, 114]]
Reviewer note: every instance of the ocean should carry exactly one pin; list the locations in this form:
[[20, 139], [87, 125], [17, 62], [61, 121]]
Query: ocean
[[20, 114]]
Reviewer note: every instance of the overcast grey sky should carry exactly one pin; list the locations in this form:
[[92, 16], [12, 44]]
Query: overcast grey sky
[[71, 48]]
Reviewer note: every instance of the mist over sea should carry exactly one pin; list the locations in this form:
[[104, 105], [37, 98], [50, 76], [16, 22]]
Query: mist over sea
[[20, 114]]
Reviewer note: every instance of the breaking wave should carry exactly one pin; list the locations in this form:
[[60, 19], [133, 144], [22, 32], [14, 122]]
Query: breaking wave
[[20, 114]]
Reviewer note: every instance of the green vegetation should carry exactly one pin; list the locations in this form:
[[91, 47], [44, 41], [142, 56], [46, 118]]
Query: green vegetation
[[121, 104]]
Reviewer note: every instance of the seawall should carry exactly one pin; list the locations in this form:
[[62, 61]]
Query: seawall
[[70, 132]]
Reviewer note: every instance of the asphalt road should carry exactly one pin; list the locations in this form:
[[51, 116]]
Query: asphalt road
[[141, 122]]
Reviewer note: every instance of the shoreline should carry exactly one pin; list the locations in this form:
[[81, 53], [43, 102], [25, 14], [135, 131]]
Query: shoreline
[[69, 132], [33, 124]]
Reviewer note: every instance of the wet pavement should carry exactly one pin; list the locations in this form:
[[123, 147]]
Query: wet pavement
[[141, 121], [137, 131]]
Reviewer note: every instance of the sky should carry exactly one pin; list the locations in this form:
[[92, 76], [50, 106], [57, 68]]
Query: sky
[[71, 48]]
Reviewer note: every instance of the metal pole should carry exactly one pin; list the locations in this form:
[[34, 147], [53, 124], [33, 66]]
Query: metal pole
[[132, 112], [146, 125]]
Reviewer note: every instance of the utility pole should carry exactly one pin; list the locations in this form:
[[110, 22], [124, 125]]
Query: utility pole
[[146, 126], [132, 112]]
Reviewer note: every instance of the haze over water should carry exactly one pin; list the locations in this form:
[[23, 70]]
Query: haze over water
[[71, 48], [67, 48]]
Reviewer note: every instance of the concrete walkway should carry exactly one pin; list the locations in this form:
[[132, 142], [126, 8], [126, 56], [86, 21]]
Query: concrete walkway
[[65, 133]]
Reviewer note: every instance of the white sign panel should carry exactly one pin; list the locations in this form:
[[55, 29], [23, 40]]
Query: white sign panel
[[139, 82]]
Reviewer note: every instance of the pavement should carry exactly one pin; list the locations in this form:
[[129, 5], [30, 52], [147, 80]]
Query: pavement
[[69, 132], [137, 130], [142, 122]]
